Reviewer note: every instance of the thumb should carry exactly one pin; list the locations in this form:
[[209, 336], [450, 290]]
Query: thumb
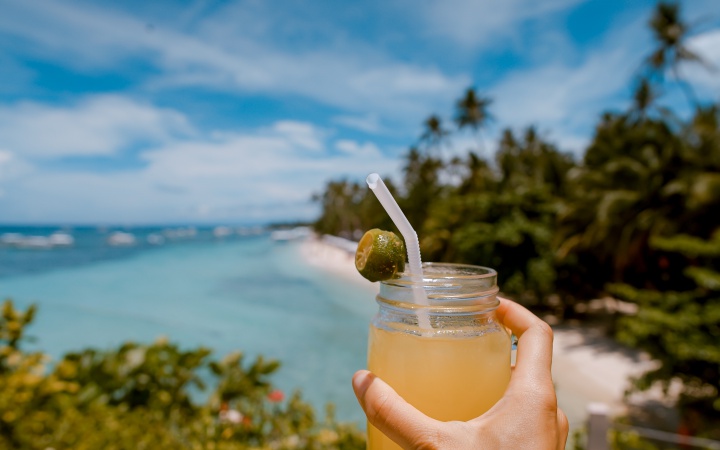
[[391, 414]]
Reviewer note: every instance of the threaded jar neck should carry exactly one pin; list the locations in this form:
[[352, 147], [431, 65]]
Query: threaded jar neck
[[450, 288]]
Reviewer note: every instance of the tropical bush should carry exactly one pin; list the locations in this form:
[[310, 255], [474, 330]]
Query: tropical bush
[[148, 396]]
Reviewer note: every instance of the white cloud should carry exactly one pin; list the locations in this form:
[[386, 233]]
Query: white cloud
[[5, 157], [99, 125], [11, 167], [369, 123], [564, 99], [303, 135], [269, 173], [5, 161], [476, 22], [244, 162], [707, 45], [567, 98], [554, 94], [357, 77], [353, 148]]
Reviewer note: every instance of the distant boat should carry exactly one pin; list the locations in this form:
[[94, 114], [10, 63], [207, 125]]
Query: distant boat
[[18, 240], [35, 242], [252, 231], [221, 232], [60, 239], [11, 238], [290, 235], [120, 239], [155, 239], [179, 233]]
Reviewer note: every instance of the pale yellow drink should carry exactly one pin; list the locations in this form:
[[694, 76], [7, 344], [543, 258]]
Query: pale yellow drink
[[456, 371]]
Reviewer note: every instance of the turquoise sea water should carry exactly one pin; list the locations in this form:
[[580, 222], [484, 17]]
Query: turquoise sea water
[[245, 294]]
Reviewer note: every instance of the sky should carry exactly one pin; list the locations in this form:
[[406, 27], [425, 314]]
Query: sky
[[237, 112]]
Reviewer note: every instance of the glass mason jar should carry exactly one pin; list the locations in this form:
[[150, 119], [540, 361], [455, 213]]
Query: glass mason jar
[[459, 367]]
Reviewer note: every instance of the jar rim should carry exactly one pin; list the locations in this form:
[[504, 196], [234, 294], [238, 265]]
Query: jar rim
[[446, 285], [434, 272]]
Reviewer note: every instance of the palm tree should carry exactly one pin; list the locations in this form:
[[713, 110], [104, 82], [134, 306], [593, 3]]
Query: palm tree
[[434, 133], [671, 33], [643, 98], [531, 161], [479, 176], [339, 203], [640, 181], [422, 185], [506, 156], [472, 111]]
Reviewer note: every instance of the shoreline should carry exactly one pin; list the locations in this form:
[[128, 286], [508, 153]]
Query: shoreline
[[335, 255], [588, 367]]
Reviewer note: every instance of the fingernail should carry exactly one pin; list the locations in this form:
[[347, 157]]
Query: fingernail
[[361, 381]]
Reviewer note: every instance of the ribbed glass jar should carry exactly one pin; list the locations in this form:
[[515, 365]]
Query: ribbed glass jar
[[456, 368]]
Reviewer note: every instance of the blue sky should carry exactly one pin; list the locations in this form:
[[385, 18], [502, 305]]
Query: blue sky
[[237, 111]]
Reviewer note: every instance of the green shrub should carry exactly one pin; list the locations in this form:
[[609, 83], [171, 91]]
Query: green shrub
[[139, 397]]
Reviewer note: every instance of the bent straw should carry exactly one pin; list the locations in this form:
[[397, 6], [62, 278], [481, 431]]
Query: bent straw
[[411, 241]]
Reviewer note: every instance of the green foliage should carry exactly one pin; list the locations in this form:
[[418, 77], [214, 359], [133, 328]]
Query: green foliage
[[509, 230], [472, 110], [617, 440], [680, 329], [645, 188], [12, 328], [615, 202], [158, 376], [499, 217], [629, 440], [689, 245], [422, 186], [139, 397], [349, 209]]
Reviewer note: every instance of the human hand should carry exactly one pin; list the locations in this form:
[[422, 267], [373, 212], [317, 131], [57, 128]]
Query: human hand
[[526, 417]]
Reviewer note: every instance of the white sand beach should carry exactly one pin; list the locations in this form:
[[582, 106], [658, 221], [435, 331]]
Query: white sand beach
[[587, 366], [329, 256]]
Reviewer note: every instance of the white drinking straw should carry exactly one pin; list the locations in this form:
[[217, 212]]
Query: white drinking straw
[[411, 242]]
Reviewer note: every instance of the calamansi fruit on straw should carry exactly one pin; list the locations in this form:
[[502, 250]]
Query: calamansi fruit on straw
[[380, 255]]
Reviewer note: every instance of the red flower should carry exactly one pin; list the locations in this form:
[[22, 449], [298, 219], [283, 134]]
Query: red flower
[[276, 396]]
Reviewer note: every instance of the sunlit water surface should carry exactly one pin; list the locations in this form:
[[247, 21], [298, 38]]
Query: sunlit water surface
[[247, 294]]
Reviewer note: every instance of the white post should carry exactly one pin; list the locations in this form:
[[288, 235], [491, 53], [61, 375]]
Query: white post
[[598, 426]]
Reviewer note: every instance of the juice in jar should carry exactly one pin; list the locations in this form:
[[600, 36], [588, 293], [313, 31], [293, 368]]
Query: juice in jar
[[457, 370]]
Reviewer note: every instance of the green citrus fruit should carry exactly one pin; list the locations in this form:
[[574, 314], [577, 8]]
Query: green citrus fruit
[[380, 255]]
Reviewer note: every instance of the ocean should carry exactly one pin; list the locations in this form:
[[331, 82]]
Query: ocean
[[221, 290]]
